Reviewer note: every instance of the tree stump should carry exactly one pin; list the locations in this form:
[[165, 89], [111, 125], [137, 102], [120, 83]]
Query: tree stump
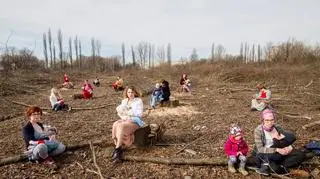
[[77, 96], [171, 103], [141, 136]]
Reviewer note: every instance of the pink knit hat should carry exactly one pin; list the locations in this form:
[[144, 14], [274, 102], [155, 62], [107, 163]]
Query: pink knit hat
[[235, 130], [267, 114]]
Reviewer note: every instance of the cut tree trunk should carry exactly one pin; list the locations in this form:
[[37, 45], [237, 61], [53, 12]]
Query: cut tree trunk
[[141, 136], [23, 157]]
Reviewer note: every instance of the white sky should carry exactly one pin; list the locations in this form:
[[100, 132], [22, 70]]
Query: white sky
[[186, 24]]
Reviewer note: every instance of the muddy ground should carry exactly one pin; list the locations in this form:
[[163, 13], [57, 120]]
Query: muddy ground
[[215, 104]]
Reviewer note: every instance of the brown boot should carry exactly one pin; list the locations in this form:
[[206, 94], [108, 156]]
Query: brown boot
[[243, 171], [231, 168]]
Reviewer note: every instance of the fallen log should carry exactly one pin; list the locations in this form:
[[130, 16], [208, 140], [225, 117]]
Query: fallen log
[[178, 161], [293, 116], [73, 108], [311, 125], [4, 118], [23, 157]]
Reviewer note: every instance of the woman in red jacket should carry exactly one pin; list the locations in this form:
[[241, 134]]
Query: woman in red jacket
[[236, 149], [87, 90]]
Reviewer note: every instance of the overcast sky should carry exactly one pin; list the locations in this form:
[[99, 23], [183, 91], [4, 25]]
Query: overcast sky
[[186, 24]]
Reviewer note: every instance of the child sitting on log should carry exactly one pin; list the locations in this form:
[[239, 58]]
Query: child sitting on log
[[156, 96], [236, 149]]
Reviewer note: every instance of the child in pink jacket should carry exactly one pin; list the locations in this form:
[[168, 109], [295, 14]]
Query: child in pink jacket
[[236, 148]]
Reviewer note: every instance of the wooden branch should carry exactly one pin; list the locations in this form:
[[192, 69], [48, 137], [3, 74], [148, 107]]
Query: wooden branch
[[190, 144], [311, 94], [23, 157], [88, 170], [310, 83], [294, 116], [311, 125], [27, 105], [93, 108], [178, 161], [73, 108], [95, 160], [272, 174], [3, 118]]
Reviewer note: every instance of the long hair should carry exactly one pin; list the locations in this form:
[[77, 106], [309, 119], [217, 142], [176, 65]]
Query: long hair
[[136, 94]]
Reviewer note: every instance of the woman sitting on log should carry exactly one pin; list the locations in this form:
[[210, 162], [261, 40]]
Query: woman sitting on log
[[273, 146], [40, 140], [66, 83], [118, 85], [87, 90], [261, 99], [185, 83], [165, 91], [56, 100], [130, 113]]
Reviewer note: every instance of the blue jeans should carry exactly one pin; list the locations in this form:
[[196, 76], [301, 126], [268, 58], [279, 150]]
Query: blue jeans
[[154, 100]]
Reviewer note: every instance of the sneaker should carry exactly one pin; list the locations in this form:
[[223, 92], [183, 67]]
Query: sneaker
[[243, 171], [231, 169], [264, 170]]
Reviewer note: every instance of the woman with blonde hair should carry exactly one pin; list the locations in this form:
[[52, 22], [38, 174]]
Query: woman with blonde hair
[[130, 112], [56, 100]]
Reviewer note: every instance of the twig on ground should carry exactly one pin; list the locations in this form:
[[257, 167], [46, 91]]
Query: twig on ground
[[294, 116], [95, 160], [190, 144], [310, 83], [311, 125], [73, 108]]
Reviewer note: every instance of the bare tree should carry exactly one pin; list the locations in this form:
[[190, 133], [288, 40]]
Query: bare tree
[[212, 52], [75, 44], [123, 50], [259, 53], [133, 56], [98, 48], [253, 53], [45, 51], [245, 52], [60, 48], [161, 54], [241, 51], [169, 53], [80, 55], [50, 47], [70, 51], [93, 52], [54, 54], [153, 55], [194, 55], [142, 50], [220, 50], [150, 54]]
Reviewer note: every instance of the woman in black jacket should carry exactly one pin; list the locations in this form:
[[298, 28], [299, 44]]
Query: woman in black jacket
[[40, 141]]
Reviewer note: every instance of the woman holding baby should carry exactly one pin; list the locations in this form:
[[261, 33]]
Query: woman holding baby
[[130, 113], [41, 141]]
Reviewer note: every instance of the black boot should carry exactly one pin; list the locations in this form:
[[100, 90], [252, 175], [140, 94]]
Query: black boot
[[117, 154]]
